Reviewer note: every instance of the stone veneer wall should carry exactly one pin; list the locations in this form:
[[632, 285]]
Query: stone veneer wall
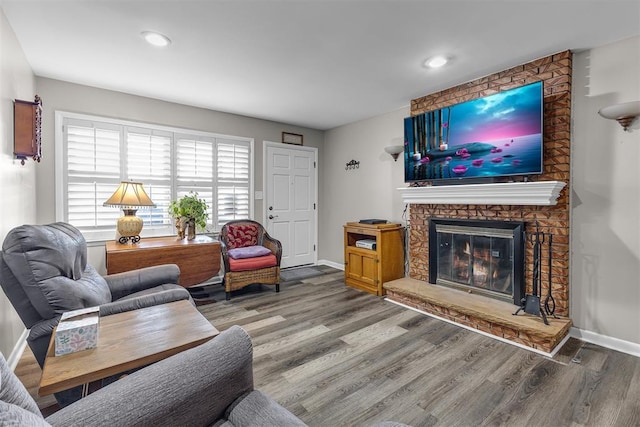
[[555, 72]]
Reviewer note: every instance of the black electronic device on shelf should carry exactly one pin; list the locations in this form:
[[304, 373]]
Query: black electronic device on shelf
[[373, 221]]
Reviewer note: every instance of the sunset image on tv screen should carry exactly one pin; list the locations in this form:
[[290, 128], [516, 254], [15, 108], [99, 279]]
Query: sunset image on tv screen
[[497, 135]]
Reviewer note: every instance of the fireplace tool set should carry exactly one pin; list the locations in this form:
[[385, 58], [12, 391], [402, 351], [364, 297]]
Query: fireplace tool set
[[532, 303]]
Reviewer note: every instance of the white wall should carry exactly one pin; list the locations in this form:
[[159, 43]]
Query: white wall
[[17, 183], [63, 96], [367, 192], [605, 230]]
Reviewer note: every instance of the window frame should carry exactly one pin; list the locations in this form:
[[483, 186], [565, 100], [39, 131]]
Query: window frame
[[62, 181]]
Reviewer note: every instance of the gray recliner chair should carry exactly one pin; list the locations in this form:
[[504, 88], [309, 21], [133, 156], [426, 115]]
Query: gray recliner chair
[[44, 272]]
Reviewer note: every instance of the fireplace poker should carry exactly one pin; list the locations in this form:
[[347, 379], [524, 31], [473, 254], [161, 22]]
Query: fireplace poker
[[549, 302]]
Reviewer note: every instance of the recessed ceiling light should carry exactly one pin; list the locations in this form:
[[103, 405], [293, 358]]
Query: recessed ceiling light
[[156, 39], [436, 62]]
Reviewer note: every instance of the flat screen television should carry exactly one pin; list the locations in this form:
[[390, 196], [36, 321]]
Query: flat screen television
[[494, 136]]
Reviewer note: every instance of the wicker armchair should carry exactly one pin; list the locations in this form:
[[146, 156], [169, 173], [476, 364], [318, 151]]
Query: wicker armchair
[[250, 255]]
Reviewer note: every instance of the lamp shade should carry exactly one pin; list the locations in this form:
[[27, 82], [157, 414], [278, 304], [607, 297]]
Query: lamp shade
[[394, 150], [129, 194], [623, 113]]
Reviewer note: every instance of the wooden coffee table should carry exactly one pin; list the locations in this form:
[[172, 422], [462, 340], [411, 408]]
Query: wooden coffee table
[[126, 341]]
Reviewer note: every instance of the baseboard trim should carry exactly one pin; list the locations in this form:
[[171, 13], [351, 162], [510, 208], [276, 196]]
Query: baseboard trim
[[331, 264], [612, 343], [17, 351]]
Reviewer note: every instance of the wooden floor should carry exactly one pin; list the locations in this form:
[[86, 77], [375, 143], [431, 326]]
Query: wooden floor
[[335, 356]]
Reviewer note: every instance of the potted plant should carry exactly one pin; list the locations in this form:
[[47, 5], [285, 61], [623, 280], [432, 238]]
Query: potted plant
[[189, 212]]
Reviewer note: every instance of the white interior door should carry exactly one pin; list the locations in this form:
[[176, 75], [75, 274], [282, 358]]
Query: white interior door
[[290, 201]]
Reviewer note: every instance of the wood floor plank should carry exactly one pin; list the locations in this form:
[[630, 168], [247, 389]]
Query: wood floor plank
[[629, 414], [607, 389], [474, 401], [369, 368], [529, 401], [387, 393], [373, 332], [260, 324], [319, 280], [288, 342], [568, 351], [232, 317], [321, 363]]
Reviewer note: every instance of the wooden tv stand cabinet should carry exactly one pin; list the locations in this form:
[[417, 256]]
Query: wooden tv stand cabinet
[[198, 259], [368, 269]]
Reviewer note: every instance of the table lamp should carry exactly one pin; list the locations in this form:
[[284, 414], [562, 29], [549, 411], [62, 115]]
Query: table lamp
[[129, 196]]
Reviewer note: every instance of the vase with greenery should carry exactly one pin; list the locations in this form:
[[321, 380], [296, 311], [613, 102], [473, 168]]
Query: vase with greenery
[[189, 212]]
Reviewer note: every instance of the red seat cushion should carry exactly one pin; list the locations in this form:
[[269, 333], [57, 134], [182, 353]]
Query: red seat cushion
[[244, 264]]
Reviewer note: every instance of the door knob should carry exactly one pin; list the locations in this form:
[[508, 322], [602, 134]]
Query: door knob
[[273, 216]]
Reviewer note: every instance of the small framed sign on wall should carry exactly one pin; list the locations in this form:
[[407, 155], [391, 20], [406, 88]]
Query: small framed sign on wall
[[292, 138]]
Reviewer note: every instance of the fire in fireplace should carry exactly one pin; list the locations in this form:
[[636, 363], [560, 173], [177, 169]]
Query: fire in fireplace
[[484, 257]]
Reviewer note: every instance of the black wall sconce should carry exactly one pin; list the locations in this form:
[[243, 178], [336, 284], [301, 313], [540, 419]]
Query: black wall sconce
[[353, 164]]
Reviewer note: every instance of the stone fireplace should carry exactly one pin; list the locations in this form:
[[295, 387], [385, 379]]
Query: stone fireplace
[[483, 257], [486, 240], [538, 202]]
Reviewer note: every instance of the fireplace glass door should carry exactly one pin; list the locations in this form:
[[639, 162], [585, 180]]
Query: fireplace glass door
[[476, 258]]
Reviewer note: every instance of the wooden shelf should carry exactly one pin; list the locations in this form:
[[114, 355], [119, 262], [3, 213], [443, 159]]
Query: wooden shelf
[[368, 269], [540, 193]]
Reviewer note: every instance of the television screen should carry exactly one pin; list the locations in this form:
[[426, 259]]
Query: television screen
[[497, 135]]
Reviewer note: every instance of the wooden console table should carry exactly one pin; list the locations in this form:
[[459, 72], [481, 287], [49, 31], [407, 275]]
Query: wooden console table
[[198, 259]]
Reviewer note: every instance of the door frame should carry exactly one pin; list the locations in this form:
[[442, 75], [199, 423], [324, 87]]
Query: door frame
[[291, 147]]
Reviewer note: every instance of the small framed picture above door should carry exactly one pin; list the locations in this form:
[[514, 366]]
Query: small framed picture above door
[[292, 138]]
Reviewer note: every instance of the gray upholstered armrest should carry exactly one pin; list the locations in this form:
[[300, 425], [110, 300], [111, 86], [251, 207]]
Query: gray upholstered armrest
[[40, 336], [43, 328], [191, 388], [122, 284], [156, 298]]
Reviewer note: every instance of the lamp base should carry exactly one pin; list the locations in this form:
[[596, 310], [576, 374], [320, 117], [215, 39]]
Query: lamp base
[[129, 226], [125, 239]]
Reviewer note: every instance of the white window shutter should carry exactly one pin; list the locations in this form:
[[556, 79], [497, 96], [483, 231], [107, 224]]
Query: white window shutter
[[233, 162], [101, 152], [93, 173]]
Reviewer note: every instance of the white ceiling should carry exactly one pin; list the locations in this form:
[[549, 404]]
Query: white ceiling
[[318, 64]]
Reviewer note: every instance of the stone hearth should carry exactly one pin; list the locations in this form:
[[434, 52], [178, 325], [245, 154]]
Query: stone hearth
[[481, 313]]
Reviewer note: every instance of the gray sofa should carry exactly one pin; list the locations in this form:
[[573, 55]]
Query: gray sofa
[[44, 272], [211, 384]]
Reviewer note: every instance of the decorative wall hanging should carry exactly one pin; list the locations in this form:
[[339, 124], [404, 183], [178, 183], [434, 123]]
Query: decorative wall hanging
[[27, 129], [353, 164], [292, 138]]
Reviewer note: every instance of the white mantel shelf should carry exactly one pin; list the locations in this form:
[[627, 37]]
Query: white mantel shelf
[[539, 193]]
